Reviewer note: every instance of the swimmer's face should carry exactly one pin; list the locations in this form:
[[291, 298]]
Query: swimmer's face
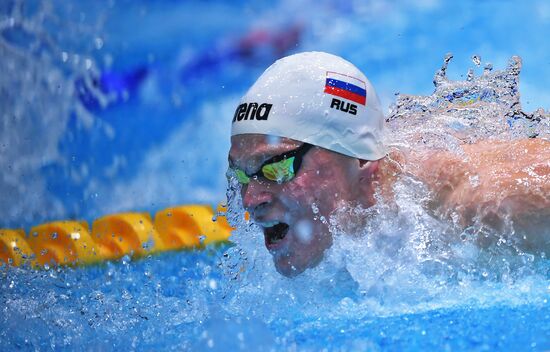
[[291, 213]]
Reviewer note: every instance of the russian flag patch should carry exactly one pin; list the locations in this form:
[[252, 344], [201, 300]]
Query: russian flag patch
[[346, 87]]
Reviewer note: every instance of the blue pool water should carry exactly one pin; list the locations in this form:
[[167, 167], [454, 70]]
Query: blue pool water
[[178, 301], [125, 106]]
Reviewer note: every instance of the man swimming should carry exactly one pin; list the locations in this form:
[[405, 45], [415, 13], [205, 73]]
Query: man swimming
[[307, 140]]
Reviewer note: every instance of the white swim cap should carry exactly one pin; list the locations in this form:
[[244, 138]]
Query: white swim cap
[[316, 98]]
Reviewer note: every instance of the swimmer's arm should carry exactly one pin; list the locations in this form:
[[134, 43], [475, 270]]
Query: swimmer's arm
[[504, 186]]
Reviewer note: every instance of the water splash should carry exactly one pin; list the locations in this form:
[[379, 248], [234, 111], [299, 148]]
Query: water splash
[[37, 95], [483, 107]]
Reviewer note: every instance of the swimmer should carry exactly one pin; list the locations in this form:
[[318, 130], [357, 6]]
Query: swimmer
[[309, 132]]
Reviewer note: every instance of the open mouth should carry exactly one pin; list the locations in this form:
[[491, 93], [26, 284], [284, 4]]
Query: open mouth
[[275, 233]]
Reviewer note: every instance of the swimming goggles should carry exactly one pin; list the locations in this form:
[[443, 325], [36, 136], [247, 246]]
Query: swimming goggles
[[281, 168]]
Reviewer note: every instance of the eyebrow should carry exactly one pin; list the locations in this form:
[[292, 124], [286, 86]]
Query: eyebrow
[[233, 166], [263, 160], [232, 163]]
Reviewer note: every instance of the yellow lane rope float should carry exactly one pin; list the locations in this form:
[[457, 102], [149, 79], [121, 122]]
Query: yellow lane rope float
[[127, 233], [63, 242], [14, 249], [70, 242]]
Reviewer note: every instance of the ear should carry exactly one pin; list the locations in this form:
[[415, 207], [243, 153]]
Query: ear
[[368, 174], [368, 170]]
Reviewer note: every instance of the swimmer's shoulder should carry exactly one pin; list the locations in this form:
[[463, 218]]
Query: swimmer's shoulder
[[484, 170], [443, 165], [528, 149]]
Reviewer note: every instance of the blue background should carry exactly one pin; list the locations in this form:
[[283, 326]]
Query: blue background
[[175, 70]]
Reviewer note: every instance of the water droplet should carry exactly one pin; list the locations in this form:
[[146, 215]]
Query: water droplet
[[150, 244], [488, 68], [98, 43], [441, 75], [315, 208], [304, 230], [126, 259], [273, 140], [470, 76], [474, 180], [476, 59], [501, 241], [126, 295], [514, 65]]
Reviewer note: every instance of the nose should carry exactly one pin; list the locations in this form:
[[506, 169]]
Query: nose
[[256, 196]]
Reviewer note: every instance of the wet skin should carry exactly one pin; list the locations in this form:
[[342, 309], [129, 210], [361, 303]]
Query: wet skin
[[325, 178], [497, 184], [512, 182]]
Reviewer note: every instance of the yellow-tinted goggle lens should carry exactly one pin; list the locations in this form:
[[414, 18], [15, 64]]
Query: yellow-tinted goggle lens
[[242, 177], [281, 171]]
